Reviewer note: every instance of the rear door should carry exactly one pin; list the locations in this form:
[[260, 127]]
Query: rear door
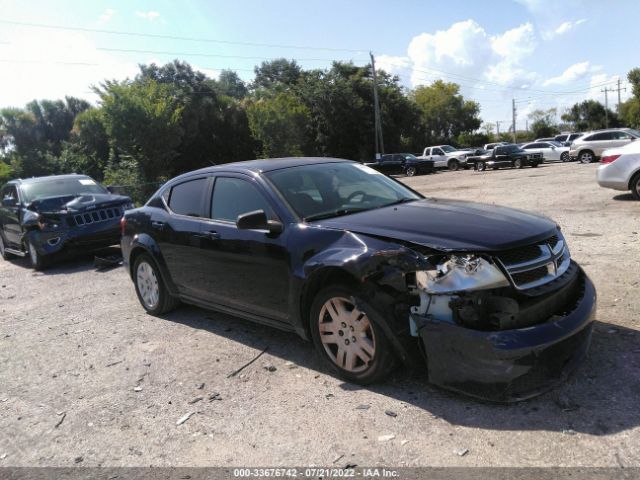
[[10, 217], [178, 233], [247, 270]]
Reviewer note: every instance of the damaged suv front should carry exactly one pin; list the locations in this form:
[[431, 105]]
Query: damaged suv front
[[44, 216], [503, 325]]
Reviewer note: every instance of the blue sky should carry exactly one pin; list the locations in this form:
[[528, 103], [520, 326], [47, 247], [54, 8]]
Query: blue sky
[[544, 53]]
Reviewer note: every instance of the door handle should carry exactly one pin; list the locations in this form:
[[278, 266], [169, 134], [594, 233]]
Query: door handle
[[211, 235], [158, 225]]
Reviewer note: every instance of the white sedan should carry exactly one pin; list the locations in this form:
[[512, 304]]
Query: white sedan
[[553, 151], [620, 169]]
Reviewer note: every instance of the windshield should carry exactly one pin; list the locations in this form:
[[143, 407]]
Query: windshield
[[57, 187], [634, 132], [332, 189], [448, 148]]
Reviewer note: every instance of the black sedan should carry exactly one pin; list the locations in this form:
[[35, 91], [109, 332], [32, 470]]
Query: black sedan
[[407, 163], [371, 271], [43, 217]]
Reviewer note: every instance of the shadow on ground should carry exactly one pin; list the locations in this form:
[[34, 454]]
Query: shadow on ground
[[600, 398], [66, 264], [624, 197]]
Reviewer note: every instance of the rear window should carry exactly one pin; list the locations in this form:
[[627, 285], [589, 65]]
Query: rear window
[[186, 198]]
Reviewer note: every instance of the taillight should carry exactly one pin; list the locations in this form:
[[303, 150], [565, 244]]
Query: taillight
[[609, 159], [123, 225]]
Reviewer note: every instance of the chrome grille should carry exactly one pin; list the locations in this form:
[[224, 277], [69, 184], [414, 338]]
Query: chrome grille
[[537, 264], [96, 216]]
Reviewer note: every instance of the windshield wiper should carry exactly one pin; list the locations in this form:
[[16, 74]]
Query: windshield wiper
[[334, 213], [397, 202]]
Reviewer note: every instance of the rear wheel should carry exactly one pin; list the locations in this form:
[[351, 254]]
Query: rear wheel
[[36, 260], [635, 186], [517, 163], [481, 167], [150, 288], [535, 164], [586, 156], [349, 341], [410, 171], [453, 164]]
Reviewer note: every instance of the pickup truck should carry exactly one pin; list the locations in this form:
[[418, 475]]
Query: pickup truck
[[446, 156], [505, 156], [394, 163]]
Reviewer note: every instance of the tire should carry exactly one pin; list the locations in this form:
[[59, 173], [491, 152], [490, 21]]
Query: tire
[[586, 156], [38, 262], [565, 157], [453, 165], [534, 165], [3, 252], [150, 287], [410, 171], [351, 343], [634, 186], [517, 163], [481, 167]]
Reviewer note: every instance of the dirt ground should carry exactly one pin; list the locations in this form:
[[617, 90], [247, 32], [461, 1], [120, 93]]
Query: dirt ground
[[87, 378]]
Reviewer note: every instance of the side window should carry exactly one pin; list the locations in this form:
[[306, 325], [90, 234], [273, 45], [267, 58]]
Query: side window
[[602, 136], [437, 151], [186, 198], [427, 152], [621, 135], [233, 197], [9, 192], [499, 150]]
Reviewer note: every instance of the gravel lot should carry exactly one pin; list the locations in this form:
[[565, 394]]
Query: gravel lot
[[87, 378]]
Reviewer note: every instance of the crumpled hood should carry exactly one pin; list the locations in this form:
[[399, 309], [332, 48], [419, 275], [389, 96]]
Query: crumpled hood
[[74, 203], [449, 225]]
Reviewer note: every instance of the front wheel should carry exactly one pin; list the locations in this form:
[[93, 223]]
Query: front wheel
[[635, 186], [347, 338], [3, 251], [36, 260], [150, 287], [481, 167], [517, 163], [410, 171], [565, 157]]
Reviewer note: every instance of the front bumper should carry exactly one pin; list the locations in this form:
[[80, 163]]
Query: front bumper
[[49, 242], [509, 365]]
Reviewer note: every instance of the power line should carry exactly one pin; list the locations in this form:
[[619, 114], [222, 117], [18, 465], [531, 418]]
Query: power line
[[176, 37]]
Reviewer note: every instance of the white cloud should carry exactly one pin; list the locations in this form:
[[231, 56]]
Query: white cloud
[[392, 64], [575, 72], [515, 44], [563, 28], [150, 15], [106, 16], [68, 66]]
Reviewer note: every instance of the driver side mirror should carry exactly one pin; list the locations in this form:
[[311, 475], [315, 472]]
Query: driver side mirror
[[9, 202], [257, 220]]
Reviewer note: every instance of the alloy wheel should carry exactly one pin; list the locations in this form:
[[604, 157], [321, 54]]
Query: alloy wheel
[[586, 157], [564, 157], [33, 255], [517, 163], [411, 171], [346, 334], [147, 283], [2, 252]]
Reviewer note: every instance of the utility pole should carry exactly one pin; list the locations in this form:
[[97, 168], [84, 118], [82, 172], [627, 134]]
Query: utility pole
[[513, 125], [606, 105], [376, 108], [498, 122], [526, 125], [625, 89]]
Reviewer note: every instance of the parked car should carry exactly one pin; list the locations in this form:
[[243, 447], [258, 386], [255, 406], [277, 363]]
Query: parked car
[[445, 156], [44, 216], [369, 270], [553, 151], [620, 169], [407, 163], [566, 138], [590, 146], [509, 155], [491, 146]]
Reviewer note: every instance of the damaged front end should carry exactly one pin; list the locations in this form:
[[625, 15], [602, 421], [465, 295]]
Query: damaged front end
[[502, 326]]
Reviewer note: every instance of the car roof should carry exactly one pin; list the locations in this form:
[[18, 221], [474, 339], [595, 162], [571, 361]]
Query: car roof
[[28, 181], [265, 165]]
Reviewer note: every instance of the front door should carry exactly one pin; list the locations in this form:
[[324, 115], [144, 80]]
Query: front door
[[247, 270]]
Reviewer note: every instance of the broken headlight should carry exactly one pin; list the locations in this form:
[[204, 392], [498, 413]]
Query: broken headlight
[[455, 273]]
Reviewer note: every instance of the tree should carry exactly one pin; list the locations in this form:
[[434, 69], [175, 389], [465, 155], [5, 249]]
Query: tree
[[590, 115], [279, 73], [543, 123], [629, 111], [279, 123], [230, 84], [444, 113]]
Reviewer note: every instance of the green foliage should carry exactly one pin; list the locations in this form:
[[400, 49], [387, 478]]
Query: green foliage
[[6, 173], [444, 113], [279, 123], [629, 111], [277, 74], [543, 123], [230, 85], [590, 115]]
